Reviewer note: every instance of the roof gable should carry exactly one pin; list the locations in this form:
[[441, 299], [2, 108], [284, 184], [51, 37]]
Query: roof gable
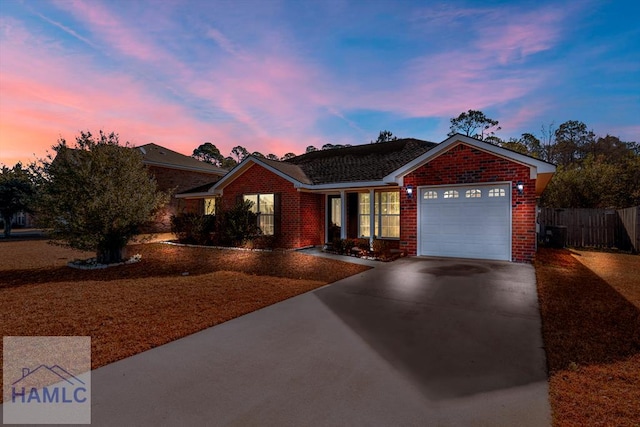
[[536, 166], [291, 173]]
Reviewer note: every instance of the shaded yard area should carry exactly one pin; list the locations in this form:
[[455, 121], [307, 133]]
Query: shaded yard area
[[590, 305], [173, 292]]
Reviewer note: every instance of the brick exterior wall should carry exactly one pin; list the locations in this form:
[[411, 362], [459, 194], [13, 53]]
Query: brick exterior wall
[[312, 211], [463, 164], [177, 181], [301, 221]]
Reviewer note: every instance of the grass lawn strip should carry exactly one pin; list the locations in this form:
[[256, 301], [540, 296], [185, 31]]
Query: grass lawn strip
[[133, 308], [592, 336]]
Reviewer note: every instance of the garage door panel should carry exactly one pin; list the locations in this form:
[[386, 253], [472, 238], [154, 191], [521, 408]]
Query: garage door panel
[[475, 227]]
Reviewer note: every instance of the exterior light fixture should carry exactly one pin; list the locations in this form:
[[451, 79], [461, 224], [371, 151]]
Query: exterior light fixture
[[520, 188], [409, 189]]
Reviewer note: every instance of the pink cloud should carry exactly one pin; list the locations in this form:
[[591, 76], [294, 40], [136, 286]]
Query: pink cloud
[[522, 36], [264, 97], [475, 75], [46, 96], [111, 29]]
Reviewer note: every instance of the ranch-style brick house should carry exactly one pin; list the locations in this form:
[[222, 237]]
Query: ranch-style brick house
[[460, 198]]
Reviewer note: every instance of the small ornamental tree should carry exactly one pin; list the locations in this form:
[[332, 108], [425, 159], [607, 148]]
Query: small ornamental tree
[[96, 195]]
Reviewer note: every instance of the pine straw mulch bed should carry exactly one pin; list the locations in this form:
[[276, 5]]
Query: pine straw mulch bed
[[173, 292], [590, 306]]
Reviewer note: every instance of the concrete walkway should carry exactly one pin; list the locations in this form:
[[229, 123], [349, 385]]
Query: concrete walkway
[[416, 342]]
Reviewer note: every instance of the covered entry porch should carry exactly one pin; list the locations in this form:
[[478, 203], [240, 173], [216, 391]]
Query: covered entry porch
[[372, 213]]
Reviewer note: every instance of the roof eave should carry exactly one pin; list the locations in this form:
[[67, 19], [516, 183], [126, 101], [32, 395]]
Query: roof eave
[[343, 185]]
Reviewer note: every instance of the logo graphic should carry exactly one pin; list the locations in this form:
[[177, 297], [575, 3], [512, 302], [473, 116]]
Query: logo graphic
[[25, 390], [47, 380]]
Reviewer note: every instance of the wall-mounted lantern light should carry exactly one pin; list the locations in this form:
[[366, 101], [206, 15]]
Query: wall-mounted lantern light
[[520, 188], [409, 189]]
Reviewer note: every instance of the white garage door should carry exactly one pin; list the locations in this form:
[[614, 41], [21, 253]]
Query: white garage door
[[465, 222]]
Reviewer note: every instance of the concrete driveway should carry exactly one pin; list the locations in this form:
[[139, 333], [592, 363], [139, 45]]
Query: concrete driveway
[[424, 342]]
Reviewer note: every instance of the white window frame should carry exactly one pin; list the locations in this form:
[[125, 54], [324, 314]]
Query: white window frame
[[366, 215], [378, 216], [266, 221]]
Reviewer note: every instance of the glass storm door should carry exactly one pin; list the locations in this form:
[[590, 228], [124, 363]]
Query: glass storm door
[[334, 218]]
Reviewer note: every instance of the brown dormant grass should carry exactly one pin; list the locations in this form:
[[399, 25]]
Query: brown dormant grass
[[173, 292], [591, 327]]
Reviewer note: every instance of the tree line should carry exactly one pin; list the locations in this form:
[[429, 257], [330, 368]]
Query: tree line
[[209, 153]]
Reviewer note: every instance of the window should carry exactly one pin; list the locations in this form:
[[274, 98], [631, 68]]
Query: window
[[497, 192], [336, 212], [364, 215], [473, 193], [430, 194], [210, 206], [264, 207], [386, 215], [451, 194]]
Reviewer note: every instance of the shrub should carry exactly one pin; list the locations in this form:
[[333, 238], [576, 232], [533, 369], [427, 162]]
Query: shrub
[[348, 245], [238, 224], [381, 247], [363, 244], [193, 228], [338, 245]]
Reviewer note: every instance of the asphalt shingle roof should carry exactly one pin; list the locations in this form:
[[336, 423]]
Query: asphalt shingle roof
[[155, 154], [289, 169], [368, 162]]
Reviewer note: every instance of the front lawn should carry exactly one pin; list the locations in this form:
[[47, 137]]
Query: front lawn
[[590, 306], [173, 292]]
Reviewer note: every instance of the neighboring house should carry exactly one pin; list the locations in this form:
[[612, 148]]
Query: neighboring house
[[176, 172], [23, 220], [460, 198], [20, 219]]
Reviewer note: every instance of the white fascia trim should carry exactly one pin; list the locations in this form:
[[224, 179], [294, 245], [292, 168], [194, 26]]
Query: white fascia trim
[[344, 185], [535, 166], [184, 168]]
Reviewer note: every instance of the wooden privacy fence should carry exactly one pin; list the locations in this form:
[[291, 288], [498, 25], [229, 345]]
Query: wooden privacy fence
[[601, 228]]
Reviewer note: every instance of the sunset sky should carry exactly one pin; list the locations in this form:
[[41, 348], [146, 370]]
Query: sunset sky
[[277, 76]]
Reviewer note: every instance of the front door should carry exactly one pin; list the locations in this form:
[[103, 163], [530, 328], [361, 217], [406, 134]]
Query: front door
[[334, 218]]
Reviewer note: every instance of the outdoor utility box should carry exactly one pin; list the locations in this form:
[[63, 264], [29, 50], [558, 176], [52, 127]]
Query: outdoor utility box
[[555, 236]]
